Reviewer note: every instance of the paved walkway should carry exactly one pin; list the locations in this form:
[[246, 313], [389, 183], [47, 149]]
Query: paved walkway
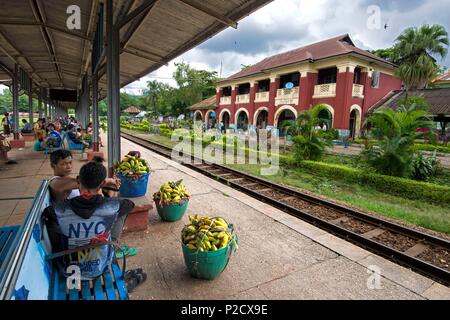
[[279, 257]]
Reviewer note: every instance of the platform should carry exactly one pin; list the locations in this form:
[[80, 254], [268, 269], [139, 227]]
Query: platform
[[279, 257]]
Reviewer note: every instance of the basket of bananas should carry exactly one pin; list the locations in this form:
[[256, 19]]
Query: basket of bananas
[[207, 246], [171, 200], [133, 172]]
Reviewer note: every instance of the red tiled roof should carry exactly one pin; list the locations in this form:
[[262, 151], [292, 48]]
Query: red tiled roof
[[444, 77], [317, 51], [132, 110]]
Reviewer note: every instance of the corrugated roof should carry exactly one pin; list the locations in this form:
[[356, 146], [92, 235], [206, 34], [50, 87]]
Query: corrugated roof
[[444, 77], [34, 35], [325, 49], [207, 104], [438, 99], [132, 110]]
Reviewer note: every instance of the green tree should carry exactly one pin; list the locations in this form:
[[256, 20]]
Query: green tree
[[415, 50], [387, 54], [393, 154], [309, 144]]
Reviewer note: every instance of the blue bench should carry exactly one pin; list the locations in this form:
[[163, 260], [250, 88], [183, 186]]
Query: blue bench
[[72, 145], [28, 272], [7, 237], [110, 286]]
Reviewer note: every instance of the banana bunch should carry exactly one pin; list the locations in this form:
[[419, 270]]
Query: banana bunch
[[132, 165], [171, 192], [206, 234]]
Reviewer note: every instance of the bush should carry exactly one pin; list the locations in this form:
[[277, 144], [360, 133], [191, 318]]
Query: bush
[[406, 188], [424, 167]]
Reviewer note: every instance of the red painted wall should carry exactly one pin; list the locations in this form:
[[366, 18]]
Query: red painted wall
[[373, 95], [341, 103]]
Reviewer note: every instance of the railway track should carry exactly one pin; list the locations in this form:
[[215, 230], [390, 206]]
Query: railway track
[[420, 251]]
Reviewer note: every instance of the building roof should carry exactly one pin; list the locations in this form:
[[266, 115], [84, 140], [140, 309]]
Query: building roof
[[437, 98], [443, 78], [207, 104], [325, 49], [132, 110]]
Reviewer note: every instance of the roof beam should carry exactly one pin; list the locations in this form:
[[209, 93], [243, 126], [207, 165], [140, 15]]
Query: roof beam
[[200, 7], [136, 13], [135, 25], [12, 57], [86, 57], [40, 17], [45, 25]]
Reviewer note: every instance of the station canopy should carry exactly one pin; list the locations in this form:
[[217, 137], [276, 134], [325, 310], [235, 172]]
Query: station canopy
[[34, 35]]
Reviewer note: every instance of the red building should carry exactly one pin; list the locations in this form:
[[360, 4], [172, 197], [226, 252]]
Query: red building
[[334, 72]]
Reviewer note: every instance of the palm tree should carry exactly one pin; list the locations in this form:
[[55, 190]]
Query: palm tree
[[415, 50], [309, 144], [397, 131]]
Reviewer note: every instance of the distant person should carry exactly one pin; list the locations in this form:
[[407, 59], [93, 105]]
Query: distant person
[[27, 128], [73, 136], [6, 125], [54, 138]]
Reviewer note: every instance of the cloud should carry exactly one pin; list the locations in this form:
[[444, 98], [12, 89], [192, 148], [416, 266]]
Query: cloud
[[287, 24]]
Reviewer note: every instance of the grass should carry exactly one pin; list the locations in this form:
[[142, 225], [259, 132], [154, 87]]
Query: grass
[[430, 216], [419, 213]]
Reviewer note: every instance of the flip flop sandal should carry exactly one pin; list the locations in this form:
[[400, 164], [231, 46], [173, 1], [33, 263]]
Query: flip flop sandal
[[135, 279]]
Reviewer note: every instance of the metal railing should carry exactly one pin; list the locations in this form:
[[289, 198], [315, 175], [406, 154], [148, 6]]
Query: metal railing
[[14, 259]]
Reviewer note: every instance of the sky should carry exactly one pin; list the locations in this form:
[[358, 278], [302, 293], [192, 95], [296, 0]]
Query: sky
[[288, 24]]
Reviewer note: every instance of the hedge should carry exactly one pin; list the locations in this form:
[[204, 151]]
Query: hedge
[[406, 188], [430, 147]]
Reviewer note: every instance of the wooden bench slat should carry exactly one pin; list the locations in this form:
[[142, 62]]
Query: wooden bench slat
[[98, 289], [62, 295], [86, 290], [73, 294], [120, 284], [109, 285]]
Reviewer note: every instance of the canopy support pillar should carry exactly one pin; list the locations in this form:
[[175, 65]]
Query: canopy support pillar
[[113, 76], [15, 98], [30, 103], [41, 93], [95, 116]]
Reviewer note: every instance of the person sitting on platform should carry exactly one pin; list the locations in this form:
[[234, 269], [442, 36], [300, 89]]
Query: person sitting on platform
[[27, 128], [62, 185], [87, 220], [73, 136], [54, 138]]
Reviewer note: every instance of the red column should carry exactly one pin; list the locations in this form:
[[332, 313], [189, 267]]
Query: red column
[[344, 89], [218, 96], [366, 80], [307, 84], [233, 104], [251, 111], [274, 86]]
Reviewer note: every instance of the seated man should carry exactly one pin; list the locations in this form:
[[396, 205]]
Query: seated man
[[73, 136], [86, 220], [62, 185], [27, 128]]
